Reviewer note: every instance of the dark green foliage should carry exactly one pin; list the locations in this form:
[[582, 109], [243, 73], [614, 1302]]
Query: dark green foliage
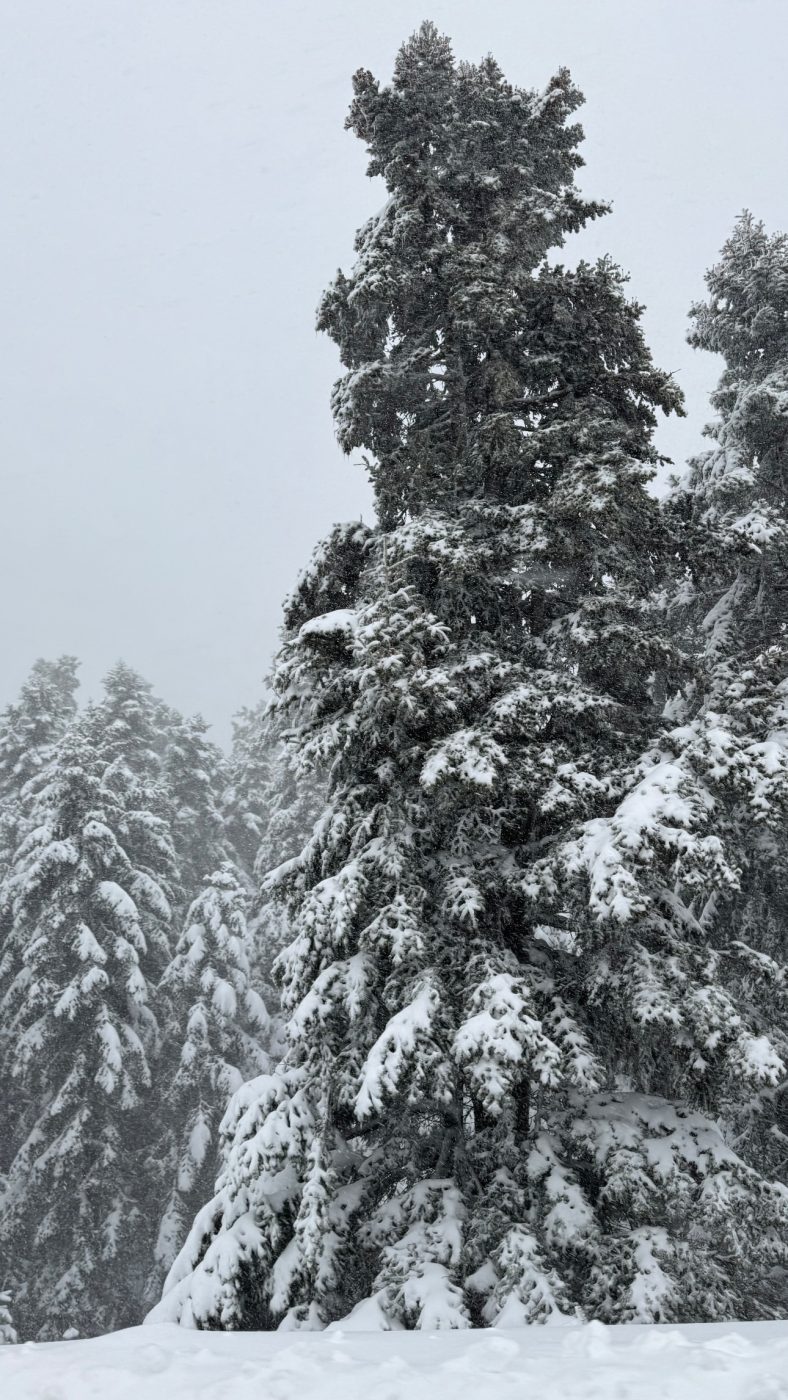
[[459, 340], [490, 1010]]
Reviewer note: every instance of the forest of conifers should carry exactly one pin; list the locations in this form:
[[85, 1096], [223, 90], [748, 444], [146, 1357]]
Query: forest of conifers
[[455, 995]]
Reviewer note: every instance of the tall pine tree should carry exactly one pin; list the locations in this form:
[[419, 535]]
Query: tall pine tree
[[78, 1037], [733, 734], [479, 1116]]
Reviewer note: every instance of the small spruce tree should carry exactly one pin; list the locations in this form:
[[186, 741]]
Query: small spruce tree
[[216, 1027]]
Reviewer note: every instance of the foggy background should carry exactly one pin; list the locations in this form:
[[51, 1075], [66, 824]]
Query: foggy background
[[177, 190]]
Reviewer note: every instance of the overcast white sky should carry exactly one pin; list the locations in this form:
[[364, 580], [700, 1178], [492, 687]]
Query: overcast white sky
[[177, 189]]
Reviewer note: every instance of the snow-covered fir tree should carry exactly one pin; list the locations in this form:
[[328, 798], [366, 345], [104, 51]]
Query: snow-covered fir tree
[[78, 1034], [133, 721], [738, 487], [183, 773], [216, 1028], [129, 729], [502, 1020], [195, 777], [732, 733], [29, 730]]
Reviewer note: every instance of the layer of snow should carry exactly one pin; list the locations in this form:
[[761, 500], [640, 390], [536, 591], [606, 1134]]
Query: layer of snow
[[735, 1361], [340, 620]]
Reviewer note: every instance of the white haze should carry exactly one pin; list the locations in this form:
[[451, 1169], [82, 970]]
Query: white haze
[[178, 189]]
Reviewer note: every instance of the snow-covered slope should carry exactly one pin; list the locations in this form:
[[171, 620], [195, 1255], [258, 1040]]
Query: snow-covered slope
[[747, 1361]]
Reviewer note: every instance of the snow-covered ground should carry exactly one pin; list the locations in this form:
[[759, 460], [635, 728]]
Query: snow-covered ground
[[746, 1361]]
